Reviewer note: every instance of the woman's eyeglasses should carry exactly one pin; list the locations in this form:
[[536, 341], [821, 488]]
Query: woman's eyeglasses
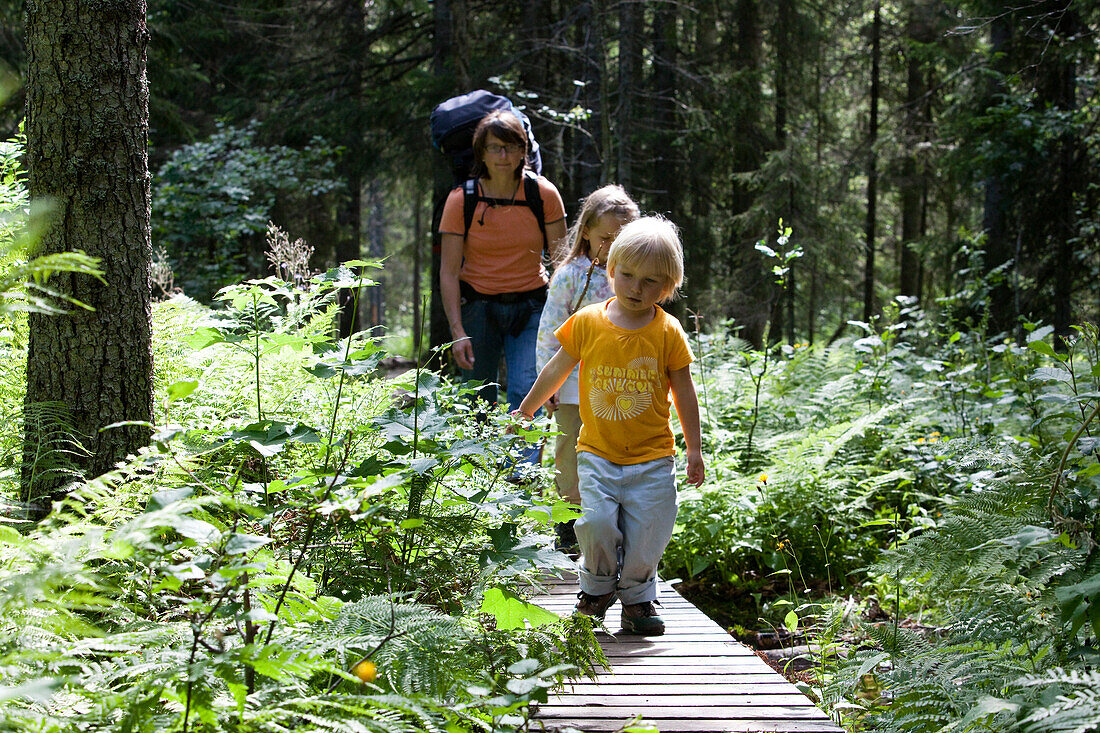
[[497, 149]]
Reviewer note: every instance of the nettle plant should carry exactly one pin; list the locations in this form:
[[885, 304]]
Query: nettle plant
[[296, 516]]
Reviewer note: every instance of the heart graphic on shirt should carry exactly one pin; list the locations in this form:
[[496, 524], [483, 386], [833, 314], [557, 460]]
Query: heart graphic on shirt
[[625, 403], [618, 406]]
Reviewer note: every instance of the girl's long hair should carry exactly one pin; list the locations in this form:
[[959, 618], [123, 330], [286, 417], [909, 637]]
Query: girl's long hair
[[610, 199]]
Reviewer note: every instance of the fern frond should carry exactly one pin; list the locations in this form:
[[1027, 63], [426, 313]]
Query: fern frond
[[51, 448]]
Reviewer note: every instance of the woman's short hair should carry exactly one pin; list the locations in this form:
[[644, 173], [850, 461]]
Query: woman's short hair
[[653, 242], [507, 128]]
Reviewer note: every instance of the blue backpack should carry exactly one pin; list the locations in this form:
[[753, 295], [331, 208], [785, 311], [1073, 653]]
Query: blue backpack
[[453, 123]]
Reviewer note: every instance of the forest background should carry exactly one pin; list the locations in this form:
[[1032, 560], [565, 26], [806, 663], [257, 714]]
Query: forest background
[[889, 214], [926, 149]]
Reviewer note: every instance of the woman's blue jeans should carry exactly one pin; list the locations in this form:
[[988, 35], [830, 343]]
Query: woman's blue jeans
[[511, 330]]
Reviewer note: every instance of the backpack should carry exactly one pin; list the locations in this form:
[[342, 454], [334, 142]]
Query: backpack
[[453, 123]]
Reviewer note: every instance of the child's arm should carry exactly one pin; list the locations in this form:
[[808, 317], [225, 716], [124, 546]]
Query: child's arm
[[687, 407], [552, 376], [559, 298]]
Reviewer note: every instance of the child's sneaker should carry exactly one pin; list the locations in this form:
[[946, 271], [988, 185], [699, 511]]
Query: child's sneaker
[[590, 605], [642, 619]]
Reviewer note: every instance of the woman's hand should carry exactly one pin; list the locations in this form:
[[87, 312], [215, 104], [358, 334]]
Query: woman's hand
[[463, 352]]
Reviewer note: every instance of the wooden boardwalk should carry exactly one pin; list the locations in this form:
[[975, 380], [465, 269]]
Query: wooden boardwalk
[[694, 678]]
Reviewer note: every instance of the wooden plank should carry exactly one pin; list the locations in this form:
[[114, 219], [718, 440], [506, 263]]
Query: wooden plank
[[699, 697], [705, 725], [662, 712], [685, 676], [609, 685], [694, 678]]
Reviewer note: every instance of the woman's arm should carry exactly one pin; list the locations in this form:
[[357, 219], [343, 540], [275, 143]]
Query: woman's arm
[[450, 263], [687, 408], [555, 236]]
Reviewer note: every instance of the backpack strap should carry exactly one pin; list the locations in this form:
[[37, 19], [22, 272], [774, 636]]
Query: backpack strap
[[531, 192], [533, 195], [469, 204]]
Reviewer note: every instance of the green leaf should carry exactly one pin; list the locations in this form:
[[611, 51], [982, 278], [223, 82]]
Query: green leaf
[[1043, 374], [1043, 348], [179, 390], [563, 511], [511, 612], [239, 544], [167, 497], [196, 529], [765, 249], [524, 666], [791, 621]]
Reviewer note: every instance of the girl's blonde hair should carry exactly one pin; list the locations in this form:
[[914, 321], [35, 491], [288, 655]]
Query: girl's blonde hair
[[611, 199], [652, 242]]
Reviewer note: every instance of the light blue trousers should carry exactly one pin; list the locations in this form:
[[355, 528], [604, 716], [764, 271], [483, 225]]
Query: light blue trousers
[[629, 514]]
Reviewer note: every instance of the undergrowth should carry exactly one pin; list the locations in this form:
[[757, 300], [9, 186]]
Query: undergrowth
[[919, 507], [296, 514]]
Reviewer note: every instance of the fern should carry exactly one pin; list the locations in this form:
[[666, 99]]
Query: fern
[[51, 449]]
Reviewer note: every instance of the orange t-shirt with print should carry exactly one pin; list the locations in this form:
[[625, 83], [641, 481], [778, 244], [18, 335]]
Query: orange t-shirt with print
[[503, 249], [625, 403]]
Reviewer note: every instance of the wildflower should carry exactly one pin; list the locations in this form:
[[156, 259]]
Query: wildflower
[[763, 478], [920, 440], [365, 671]]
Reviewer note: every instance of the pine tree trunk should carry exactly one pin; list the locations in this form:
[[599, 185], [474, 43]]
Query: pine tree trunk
[[999, 247], [630, 72], [872, 174], [750, 306], [87, 137], [349, 214], [913, 185]]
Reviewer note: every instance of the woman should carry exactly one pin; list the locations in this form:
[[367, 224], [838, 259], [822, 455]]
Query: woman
[[492, 280]]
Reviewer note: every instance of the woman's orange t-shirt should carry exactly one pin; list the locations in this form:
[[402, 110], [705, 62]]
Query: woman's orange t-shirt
[[503, 250]]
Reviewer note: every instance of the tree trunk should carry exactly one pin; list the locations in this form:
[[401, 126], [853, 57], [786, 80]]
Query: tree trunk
[[418, 240], [999, 245], [750, 302], [443, 59], [786, 14], [349, 207], [87, 137], [913, 184], [587, 148], [376, 235], [630, 72], [872, 173]]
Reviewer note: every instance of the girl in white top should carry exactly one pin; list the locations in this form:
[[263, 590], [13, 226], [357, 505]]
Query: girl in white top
[[578, 280]]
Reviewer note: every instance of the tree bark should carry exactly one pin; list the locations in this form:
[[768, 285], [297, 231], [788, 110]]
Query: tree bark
[[443, 59], [914, 184], [630, 72], [999, 245], [872, 173], [349, 216], [87, 137], [376, 236], [749, 307]]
